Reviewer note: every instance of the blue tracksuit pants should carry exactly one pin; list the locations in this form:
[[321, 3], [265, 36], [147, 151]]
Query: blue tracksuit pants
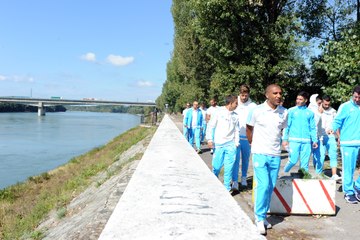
[[328, 144], [266, 170], [203, 132], [194, 134], [243, 152], [349, 156], [186, 133], [297, 149], [224, 155]]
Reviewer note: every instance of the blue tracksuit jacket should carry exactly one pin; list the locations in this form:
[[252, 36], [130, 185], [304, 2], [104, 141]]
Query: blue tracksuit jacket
[[301, 125], [188, 118], [348, 121]]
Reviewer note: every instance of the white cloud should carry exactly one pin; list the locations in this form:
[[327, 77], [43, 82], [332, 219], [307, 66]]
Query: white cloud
[[3, 78], [119, 60], [144, 84], [91, 57], [16, 78]]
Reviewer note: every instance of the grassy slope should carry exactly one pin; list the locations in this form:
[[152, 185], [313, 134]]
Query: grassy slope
[[23, 206]]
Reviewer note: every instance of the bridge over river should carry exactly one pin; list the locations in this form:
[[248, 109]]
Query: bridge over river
[[41, 103]]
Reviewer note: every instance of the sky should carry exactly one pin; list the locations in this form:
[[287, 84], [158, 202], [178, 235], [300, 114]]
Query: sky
[[105, 49]]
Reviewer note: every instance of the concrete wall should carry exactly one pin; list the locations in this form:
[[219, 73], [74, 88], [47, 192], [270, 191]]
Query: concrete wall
[[173, 195]]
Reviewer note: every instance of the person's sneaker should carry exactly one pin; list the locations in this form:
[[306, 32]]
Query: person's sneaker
[[351, 198], [243, 182], [357, 193], [211, 151], [261, 227], [335, 177], [235, 186], [267, 224]]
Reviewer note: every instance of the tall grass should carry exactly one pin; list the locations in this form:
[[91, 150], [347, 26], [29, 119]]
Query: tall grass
[[23, 206]]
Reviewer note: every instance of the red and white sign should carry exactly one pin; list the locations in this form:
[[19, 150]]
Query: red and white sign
[[304, 196]]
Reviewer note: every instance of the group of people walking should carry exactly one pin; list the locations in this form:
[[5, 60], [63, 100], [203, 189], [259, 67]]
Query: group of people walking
[[241, 127]]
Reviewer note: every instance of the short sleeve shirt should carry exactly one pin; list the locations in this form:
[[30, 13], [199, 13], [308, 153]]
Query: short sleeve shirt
[[268, 124]]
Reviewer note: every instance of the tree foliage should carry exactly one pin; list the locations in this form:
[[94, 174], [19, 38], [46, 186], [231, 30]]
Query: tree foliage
[[341, 64], [222, 44]]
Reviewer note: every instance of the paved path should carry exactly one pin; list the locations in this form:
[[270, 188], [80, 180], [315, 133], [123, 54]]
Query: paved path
[[344, 225], [173, 195]]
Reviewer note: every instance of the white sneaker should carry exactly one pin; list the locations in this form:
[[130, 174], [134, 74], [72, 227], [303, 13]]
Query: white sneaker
[[267, 224], [211, 151], [261, 227], [243, 181], [336, 177], [235, 186]]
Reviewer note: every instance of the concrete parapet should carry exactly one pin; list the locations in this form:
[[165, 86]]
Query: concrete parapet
[[304, 196], [173, 195]]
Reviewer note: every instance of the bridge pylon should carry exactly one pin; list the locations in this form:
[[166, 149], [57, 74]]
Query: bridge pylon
[[41, 109]]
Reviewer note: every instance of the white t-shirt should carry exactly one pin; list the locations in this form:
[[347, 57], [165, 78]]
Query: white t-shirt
[[194, 118], [242, 111], [327, 117], [225, 126], [211, 110], [267, 124], [203, 111]]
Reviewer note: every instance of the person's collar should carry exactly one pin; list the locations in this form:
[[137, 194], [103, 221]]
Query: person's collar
[[267, 106], [245, 103]]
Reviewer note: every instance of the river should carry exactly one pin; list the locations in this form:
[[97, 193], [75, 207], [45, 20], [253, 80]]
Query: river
[[31, 145]]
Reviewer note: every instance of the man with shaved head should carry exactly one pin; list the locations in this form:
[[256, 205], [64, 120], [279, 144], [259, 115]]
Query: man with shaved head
[[263, 130]]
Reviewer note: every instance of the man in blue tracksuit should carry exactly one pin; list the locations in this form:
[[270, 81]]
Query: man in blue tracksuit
[[203, 111], [327, 142], [185, 129], [300, 133], [193, 122], [223, 131], [347, 120], [263, 130]]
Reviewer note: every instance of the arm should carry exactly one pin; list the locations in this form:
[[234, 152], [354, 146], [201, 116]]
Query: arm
[[286, 130], [249, 133], [338, 120], [201, 119], [185, 118], [237, 134], [210, 131], [313, 130]]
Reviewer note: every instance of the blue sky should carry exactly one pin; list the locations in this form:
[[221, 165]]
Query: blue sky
[[104, 49]]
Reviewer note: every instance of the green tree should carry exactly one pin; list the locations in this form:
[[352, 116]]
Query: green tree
[[341, 63], [251, 42]]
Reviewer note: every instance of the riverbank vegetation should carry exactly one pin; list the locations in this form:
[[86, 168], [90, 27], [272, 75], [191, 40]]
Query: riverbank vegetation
[[23, 206], [113, 109], [310, 45], [13, 107]]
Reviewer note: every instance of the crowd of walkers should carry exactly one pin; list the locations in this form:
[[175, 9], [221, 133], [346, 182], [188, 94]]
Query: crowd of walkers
[[312, 128]]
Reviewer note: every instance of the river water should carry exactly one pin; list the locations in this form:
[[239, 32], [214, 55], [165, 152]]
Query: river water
[[31, 145]]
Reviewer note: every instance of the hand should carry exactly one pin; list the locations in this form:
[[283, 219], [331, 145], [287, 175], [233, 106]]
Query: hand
[[285, 144], [210, 144], [329, 131], [315, 145]]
